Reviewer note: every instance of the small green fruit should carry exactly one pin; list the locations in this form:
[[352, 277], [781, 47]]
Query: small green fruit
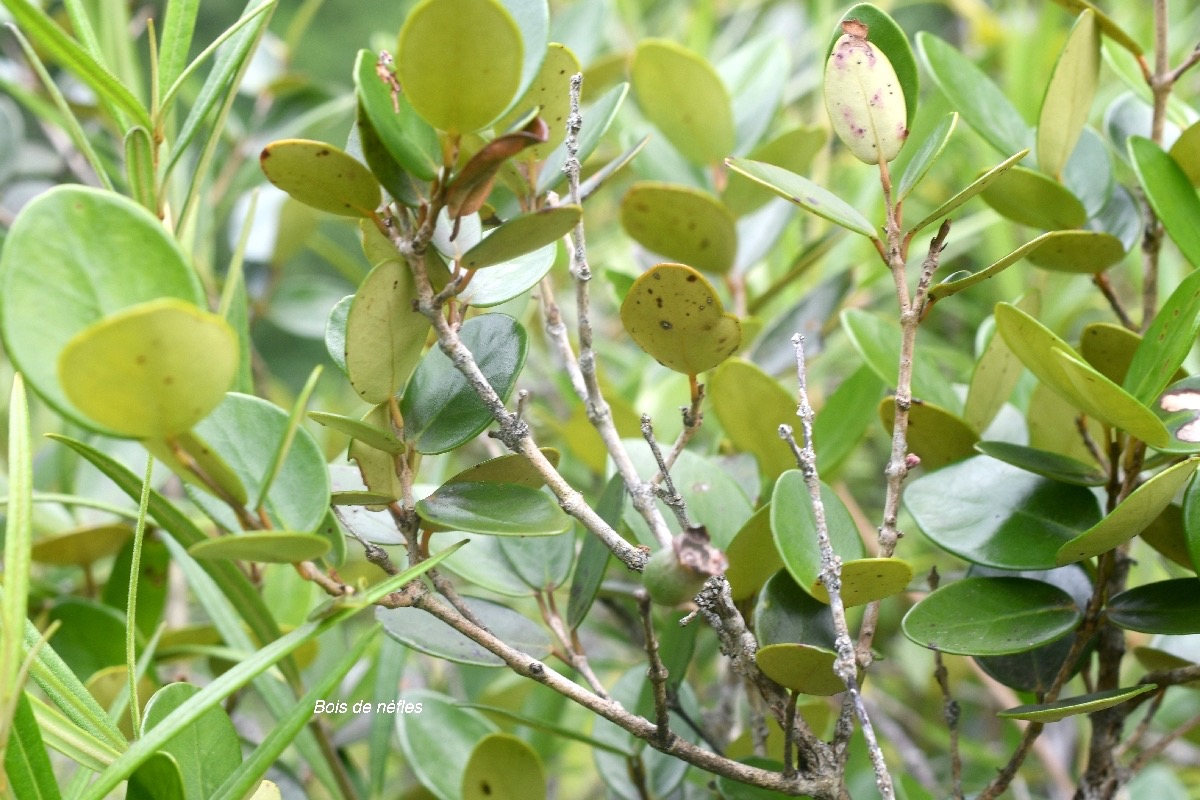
[[864, 98], [676, 574]]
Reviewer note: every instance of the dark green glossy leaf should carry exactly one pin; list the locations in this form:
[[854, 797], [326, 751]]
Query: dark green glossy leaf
[[74, 256], [974, 95], [1132, 516], [158, 778], [844, 418], [751, 406], [500, 509], [991, 616], [935, 435], [786, 613], [514, 468], [1054, 466], [207, 751], [441, 410], [1168, 607], [594, 555], [270, 547], [987, 512], [681, 224], [408, 138], [885, 34], [926, 154], [804, 193], [1167, 342], [503, 767], [980, 184], [521, 235], [698, 122], [1073, 706], [425, 633], [1033, 199], [1170, 193], [752, 556], [1068, 98], [321, 176]]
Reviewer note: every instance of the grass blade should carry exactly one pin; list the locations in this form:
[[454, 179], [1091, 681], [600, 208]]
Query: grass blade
[[178, 26], [26, 762], [289, 435], [135, 571], [17, 541], [60, 734]]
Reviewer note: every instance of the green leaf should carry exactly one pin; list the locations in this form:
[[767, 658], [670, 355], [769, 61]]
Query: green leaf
[[801, 668], [461, 62], [673, 313], [878, 341], [514, 469], [92, 635], [268, 547], [335, 331], [1167, 607], [80, 547], [980, 184], [501, 509], [542, 563], [596, 121], [935, 435], [682, 224], [152, 370], [158, 778], [1086, 252], [948, 288], [755, 75], [1068, 98], [991, 616], [441, 411], [67, 52], [866, 107], [175, 41], [503, 282], [533, 22], [698, 122], [1167, 342], [751, 405], [522, 235], [594, 555], [1031, 198], [503, 767], [1131, 517], [997, 371], [26, 763], [987, 512], [549, 93], [787, 613], [437, 740], [1186, 152], [792, 150], [73, 256], [406, 137], [384, 333], [844, 418], [1054, 466], [360, 431], [1057, 365], [1170, 193], [1088, 173], [972, 94], [804, 193], [538, 724], [483, 563], [139, 168], [928, 153], [885, 34], [427, 634], [207, 751], [321, 176], [753, 557], [18, 533], [1073, 706]]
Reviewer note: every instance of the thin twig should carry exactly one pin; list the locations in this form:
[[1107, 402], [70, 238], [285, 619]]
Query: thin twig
[[693, 418], [1155, 750], [671, 495], [657, 673], [950, 708], [575, 656]]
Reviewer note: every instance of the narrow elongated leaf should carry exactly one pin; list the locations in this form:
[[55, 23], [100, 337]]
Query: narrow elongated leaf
[[175, 41], [1167, 342], [792, 150], [18, 536], [1170, 193], [1027, 250], [1073, 706], [926, 155], [1110, 28], [521, 235], [978, 185], [1042, 462], [996, 374], [1068, 98], [26, 763], [594, 556], [804, 193], [360, 431]]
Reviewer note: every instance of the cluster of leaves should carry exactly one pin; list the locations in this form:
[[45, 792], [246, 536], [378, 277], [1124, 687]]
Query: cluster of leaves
[[406, 262]]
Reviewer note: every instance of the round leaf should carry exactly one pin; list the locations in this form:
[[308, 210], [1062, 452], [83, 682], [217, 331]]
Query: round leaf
[[384, 333], [866, 580], [681, 223], [208, 750], [522, 235], [751, 405], [1031, 198], [675, 315], [800, 667], [501, 509], [550, 95], [73, 256], [794, 528], [321, 176], [935, 435], [269, 547], [81, 547], [991, 616], [427, 634], [437, 736], [441, 411], [503, 767], [1073, 706], [152, 370], [786, 613], [987, 512], [699, 121], [1167, 607], [1132, 516], [460, 62]]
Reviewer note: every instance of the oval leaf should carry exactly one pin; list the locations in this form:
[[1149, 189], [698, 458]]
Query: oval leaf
[[804, 193], [1167, 607], [1085, 252], [802, 668], [1132, 516], [268, 547], [1054, 466], [864, 98], [751, 405], [503, 282], [550, 95], [1033, 199], [794, 529], [1068, 98], [889, 37], [699, 121], [935, 435], [752, 556], [384, 333], [515, 469], [1170, 193], [321, 176], [681, 223], [437, 742], [521, 235], [991, 616], [675, 315], [460, 62], [441, 411], [1072, 706], [1167, 342], [81, 547], [503, 767], [502, 509]]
